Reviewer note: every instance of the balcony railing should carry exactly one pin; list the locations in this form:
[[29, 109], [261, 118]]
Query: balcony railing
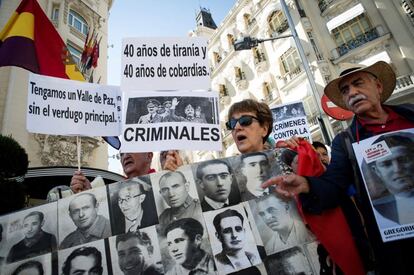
[[260, 57], [295, 72], [404, 82], [358, 41], [251, 24], [241, 76], [323, 4]]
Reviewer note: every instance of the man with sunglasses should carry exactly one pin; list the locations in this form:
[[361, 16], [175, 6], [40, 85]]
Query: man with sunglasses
[[215, 178]]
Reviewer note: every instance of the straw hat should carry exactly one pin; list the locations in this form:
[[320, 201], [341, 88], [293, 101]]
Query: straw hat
[[380, 69]]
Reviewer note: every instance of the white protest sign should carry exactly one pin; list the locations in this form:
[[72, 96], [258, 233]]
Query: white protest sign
[[65, 107], [165, 64], [155, 121], [290, 120], [386, 163]]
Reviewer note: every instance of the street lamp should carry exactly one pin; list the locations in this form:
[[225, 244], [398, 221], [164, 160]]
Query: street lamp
[[246, 43]]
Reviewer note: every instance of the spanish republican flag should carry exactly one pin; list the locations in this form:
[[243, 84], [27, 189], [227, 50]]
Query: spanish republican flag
[[30, 41]]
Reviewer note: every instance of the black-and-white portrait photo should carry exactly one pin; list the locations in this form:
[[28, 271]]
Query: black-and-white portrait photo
[[253, 169], [231, 238], [176, 195], [279, 223], [132, 205], [136, 252], [85, 259], [288, 262], [185, 248], [31, 232], [288, 111], [391, 186], [156, 109], [216, 184], [40, 265], [84, 218]]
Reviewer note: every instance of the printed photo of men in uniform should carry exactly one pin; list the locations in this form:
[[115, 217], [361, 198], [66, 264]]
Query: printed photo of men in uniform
[[395, 172], [177, 194], [30, 233], [232, 241], [85, 259], [132, 205], [184, 239], [216, 184], [254, 170], [39, 265], [292, 261], [84, 218], [171, 109], [133, 253]]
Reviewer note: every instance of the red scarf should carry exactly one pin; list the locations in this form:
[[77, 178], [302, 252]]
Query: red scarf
[[330, 227]]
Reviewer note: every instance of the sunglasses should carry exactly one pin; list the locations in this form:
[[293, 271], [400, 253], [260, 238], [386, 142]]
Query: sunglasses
[[244, 121]]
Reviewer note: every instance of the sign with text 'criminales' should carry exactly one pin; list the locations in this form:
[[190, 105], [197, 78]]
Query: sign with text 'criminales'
[[164, 64], [155, 121], [66, 107]]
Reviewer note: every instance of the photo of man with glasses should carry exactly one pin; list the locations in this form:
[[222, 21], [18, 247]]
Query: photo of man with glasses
[[132, 206]]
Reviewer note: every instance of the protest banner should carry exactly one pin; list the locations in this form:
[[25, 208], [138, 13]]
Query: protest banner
[[211, 220], [66, 107], [155, 121], [386, 163], [290, 120], [173, 63]]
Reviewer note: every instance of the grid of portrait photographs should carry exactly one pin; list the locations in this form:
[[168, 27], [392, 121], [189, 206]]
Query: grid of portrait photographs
[[211, 217]]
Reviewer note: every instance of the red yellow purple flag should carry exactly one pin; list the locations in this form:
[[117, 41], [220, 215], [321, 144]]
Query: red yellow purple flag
[[30, 41]]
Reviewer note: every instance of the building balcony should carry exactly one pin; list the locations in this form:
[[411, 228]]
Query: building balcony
[[357, 42], [241, 81], [260, 62], [404, 82]]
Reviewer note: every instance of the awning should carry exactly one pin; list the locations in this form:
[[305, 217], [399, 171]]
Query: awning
[[39, 180], [345, 17]]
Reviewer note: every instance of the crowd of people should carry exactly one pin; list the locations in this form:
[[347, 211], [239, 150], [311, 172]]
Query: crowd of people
[[360, 89]]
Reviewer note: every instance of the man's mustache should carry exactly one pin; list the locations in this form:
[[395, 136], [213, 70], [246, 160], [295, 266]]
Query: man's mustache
[[356, 98]]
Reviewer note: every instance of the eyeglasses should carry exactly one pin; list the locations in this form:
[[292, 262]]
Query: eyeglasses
[[244, 121], [127, 199]]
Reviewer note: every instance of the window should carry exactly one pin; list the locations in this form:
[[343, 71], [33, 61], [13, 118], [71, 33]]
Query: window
[[277, 22], [239, 73], [55, 14], [76, 54], [230, 39], [351, 29], [258, 55], [76, 21], [319, 55], [290, 62], [223, 90], [217, 57], [267, 91]]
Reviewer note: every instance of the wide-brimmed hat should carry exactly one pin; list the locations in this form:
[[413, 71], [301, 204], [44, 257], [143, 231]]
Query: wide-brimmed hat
[[380, 69]]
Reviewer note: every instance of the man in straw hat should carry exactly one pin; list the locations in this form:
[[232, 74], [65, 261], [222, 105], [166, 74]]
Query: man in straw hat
[[362, 90]]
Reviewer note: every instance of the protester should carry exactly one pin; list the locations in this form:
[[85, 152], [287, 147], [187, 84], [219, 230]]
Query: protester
[[170, 160], [362, 90], [133, 164], [322, 152]]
